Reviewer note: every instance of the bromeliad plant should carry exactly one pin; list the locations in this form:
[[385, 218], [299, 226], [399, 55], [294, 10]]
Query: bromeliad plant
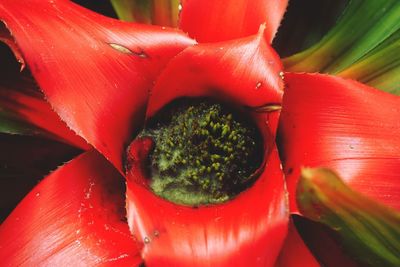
[[189, 123]]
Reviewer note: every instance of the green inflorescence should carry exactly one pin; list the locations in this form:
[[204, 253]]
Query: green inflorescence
[[204, 153]]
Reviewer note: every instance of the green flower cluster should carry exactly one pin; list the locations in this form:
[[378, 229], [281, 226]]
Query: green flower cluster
[[204, 153]]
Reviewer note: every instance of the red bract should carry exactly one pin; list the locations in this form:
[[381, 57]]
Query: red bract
[[219, 20], [95, 72], [342, 127], [19, 95], [106, 78], [236, 233], [74, 217], [218, 236]]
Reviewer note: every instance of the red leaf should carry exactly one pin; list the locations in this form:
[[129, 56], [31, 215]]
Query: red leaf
[[74, 217], [95, 71], [24, 160], [220, 20], [294, 252], [5, 37], [17, 95], [246, 231], [246, 72], [346, 126]]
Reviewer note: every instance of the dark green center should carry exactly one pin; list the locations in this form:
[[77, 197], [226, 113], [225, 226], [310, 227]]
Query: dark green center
[[204, 152]]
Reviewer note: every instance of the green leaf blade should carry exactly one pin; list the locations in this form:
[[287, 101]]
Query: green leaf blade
[[160, 12], [380, 67], [369, 231], [9, 124], [367, 31], [132, 10]]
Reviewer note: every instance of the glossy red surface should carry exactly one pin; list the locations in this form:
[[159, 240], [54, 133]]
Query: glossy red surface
[[295, 253], [246, 73], [344, 125], [248, 230], [74, 217], [95, 71], [220, 20]]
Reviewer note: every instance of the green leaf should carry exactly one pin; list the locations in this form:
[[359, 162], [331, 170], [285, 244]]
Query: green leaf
[[159, 12], [305, 23], [369, 231], [380, 68], [165, 12], [366, 28], [10, 124], [133, 10]]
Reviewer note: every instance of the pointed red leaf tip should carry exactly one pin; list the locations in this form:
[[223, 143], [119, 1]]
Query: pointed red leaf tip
[[247, 72], [343, 125], [294, 252], [220, 20], [5, 37], [95, 71], [74, 217], [246, 231]]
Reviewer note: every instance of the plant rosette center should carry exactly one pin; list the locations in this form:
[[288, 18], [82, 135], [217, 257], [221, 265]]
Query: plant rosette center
[[202, 152]]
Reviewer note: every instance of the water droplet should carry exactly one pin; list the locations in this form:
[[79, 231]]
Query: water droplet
[[180, 7], [38, 194], [282, 75], [163, 27], [258, 85], [88, 193], [156, 233], [146, 240]]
